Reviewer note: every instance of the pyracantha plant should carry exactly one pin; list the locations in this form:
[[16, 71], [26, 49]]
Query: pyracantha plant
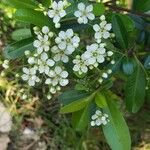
[[79, 49]]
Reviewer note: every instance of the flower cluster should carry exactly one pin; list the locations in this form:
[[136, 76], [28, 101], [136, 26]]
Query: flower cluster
[[53, 50], [42, 63], [57, 12], [99, 119]]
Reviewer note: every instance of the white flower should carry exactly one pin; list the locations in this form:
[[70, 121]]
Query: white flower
[[84, 13], [67, 41], [95, 54], [60, 54], [57, 77], [99, 119], [5, 64], [57, 12], [44, 63], [30, 76], [102, 29], [42, 43], [80, 64]]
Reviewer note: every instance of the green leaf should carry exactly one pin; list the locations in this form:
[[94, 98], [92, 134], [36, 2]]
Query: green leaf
[[46, 3], [100, 100], [116, 131], [77, 105], [20, 34], [120, 31], [141, 5], [148, 92], [22, 4], [128, 65], [128, 22], [80, 119], [135, 89], [17, 49], [71, 95], [147, 62], [34, 17], [98, 9]]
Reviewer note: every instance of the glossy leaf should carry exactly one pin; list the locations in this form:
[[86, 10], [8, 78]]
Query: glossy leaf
[[100, 100], [120, 31], [128, 66], [37, 18], [116, 131], [147, 62], [17, 49], [22, 4], [135, 90], [77, 105], [128, 22], [71, 95], [21, 34], [80, 119]]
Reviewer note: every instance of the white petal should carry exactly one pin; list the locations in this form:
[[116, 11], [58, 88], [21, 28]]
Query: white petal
[[48, 81], [94, 117], [108, 27], [62, 34], [91, 16], [31, 82], [85, 20], [25, 77], [54, 5], [56, 19], [57, 57], [81, 6], [62, 45], [89, 8], [92, 123], [106, 35], [31, 60], [58, 40], [26, 70], [65, 58], [78, 13], [100, 59], [58, 70], [84, 69], [96, 27], [76, 68], [51, 13], [39, 50], [36, 43], [62, 13], [46, 69], [70, 48], [63, 82], [69, 33], [50, 62], [45, 30], [91, 60], [98, 122], [64, 74], [44, 56], [55, 82]]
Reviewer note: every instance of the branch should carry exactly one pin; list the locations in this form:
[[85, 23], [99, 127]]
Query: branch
[[121, 9]]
